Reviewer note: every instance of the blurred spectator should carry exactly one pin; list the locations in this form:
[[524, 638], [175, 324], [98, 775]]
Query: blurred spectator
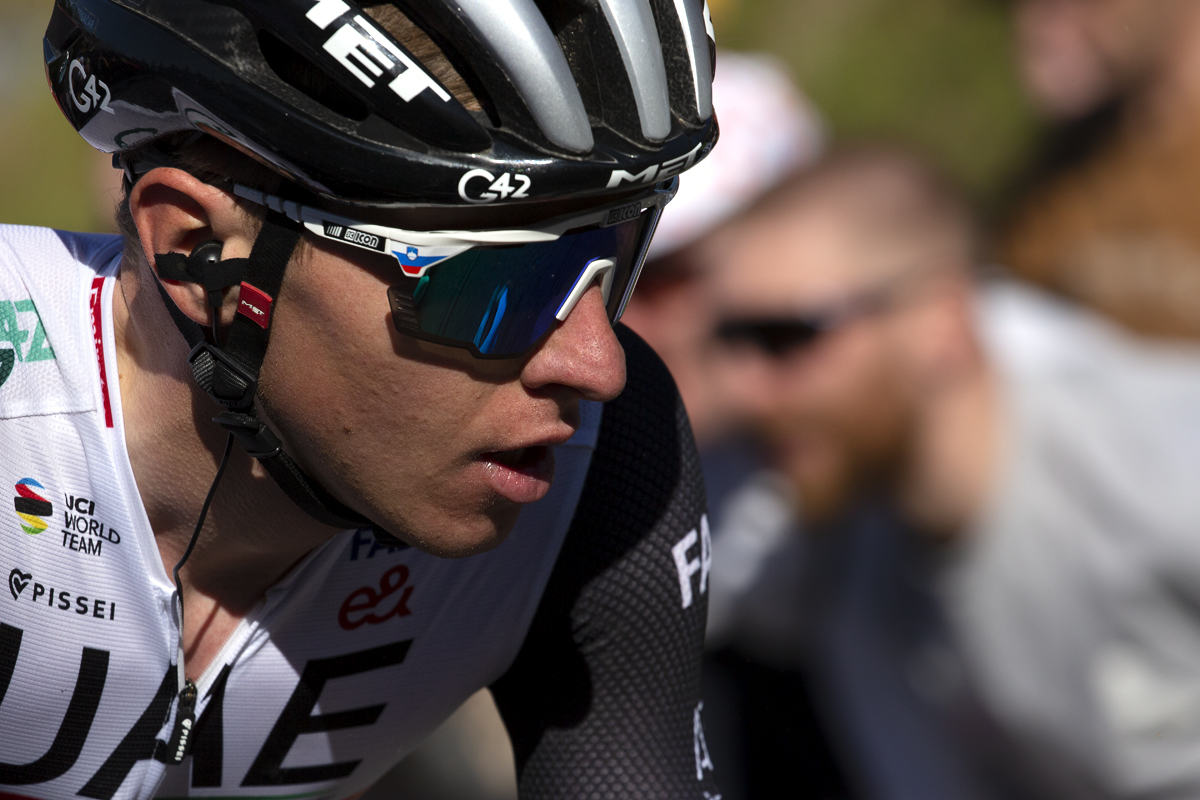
[[757, 712], [767, 129], [998, 491], [1110, 214]]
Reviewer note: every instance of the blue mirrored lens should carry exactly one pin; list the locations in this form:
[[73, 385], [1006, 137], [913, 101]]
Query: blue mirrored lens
[[500, 301]]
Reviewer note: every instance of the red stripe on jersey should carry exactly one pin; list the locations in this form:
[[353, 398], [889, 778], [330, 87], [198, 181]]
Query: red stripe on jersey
[[98, 337], [25, 491]]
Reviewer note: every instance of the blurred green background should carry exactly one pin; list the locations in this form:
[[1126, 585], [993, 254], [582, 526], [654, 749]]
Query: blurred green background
[[934, 74], [48, 176]]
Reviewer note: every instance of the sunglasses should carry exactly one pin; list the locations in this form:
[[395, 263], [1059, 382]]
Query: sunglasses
[[498, 293], [779, 336]]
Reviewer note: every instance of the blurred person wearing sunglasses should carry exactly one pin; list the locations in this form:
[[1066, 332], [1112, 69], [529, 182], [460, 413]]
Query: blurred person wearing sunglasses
[[1106, 212], [351, 393], [997, 496]]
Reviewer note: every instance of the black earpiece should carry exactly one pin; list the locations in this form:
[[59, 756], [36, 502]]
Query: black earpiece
[[203, 258], [209, 251]]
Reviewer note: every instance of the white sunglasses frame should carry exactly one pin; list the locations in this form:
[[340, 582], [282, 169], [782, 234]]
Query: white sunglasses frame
[[425, 249]]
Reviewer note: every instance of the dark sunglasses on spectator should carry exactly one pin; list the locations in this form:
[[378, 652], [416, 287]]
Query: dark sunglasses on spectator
[[777, 336]]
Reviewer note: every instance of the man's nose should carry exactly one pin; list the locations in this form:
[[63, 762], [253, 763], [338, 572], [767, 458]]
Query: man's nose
[[581, 353]]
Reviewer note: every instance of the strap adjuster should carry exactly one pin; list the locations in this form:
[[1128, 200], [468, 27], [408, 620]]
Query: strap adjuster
[[252, 434], [221, 376]]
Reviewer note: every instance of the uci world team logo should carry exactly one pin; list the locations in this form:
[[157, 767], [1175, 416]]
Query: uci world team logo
[[32, 506]]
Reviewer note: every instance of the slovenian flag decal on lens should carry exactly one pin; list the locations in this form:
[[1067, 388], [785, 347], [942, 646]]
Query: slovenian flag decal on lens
[[416, 260]]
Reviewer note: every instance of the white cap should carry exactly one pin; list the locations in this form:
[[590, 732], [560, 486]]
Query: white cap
[[768, 128]]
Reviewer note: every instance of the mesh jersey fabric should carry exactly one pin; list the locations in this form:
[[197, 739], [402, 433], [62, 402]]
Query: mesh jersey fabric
[[604, 698]]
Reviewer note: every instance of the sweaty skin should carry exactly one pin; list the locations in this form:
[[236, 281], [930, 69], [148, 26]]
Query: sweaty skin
[[420, 438]]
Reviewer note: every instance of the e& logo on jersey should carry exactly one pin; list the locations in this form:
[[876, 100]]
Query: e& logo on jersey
[[360, 607]]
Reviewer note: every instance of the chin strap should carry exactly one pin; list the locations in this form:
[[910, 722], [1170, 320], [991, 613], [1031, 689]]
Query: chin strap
[[228, 373]]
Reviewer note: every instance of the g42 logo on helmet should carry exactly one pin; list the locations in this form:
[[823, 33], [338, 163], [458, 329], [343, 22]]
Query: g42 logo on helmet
[[86, 94], [470, 186]]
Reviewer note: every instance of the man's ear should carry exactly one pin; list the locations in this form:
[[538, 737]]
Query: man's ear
[[174, 212]]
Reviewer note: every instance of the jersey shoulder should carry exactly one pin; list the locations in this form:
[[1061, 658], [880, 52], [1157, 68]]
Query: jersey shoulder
[[50, 284]]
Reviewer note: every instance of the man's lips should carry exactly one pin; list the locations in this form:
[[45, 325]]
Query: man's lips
[[520, 475]]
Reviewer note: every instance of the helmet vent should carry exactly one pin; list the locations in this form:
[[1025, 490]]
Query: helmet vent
[[305, 76], [418, 42], [530, 60]]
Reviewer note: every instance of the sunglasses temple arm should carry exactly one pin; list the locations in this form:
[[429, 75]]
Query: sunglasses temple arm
[[640, 261]]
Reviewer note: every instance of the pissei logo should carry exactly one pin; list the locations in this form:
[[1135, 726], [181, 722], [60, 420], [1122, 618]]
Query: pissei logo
[[32, 506], [21, 328]]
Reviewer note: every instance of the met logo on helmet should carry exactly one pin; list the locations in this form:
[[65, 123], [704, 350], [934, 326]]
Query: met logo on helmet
[[361, 48], [655, 172]]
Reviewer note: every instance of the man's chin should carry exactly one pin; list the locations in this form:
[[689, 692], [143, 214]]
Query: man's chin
[[461, 538]]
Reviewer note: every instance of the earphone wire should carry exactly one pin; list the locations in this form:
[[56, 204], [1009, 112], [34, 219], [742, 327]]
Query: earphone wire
[[212, 490]]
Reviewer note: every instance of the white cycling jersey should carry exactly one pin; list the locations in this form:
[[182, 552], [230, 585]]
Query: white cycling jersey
[[343, 667]]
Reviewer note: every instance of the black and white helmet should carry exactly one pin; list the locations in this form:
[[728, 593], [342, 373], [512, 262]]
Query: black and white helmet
[[573, 97]]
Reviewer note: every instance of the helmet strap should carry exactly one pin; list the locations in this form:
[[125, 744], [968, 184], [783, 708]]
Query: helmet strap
[[228, 372]]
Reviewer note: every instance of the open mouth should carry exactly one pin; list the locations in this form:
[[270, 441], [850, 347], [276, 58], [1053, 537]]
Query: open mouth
[[522, 458], [521, 475]]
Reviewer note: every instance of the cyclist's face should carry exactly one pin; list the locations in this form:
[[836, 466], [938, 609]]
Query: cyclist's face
[[435, 446]]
